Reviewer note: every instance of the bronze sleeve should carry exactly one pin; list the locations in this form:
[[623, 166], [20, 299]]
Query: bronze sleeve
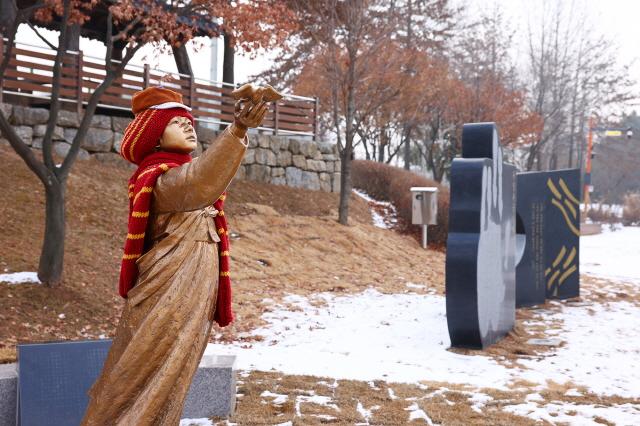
[[199, 183]]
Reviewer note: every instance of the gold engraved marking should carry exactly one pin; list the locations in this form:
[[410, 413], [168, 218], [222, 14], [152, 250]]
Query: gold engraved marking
[[568, 193], [572, 209], [570, 258], [566, 274], [552, 279], [566, 217], [553, 189], [547, 272], [559, 257]]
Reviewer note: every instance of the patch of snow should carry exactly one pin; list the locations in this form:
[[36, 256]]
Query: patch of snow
[[404, 337], [366, 414], [412, 285], [612, 254], [577, 414], [61, 316], [534, 397], [572, 392], [418, 413], [378, 219], [391, 393], [315, 399], [478, 401], [196, 422], [20, 278], [289, 423], [277, 398]]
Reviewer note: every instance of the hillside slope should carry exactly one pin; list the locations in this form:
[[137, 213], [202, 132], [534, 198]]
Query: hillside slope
[[288, 241]]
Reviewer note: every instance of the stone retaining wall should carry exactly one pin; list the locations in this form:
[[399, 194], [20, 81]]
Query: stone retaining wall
[[280, 160]]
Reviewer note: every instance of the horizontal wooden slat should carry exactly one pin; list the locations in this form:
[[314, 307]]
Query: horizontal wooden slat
[[32, 71]]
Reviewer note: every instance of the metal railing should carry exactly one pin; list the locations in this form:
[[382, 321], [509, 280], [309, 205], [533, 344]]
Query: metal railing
[[30, 72]]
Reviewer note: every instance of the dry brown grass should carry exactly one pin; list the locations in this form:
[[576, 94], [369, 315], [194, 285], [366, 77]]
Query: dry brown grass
[[444, 403], [288, 242]]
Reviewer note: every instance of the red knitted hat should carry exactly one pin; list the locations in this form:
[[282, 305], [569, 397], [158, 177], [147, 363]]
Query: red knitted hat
[[153, 108]]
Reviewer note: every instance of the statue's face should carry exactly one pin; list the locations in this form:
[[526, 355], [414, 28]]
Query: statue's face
[[179, 136]]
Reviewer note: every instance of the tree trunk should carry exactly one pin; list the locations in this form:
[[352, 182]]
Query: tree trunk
[[406, 135], [228, 75], [345, 186], [52, 255], [181, 56]]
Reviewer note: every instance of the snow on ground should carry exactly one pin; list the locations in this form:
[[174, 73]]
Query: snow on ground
[[404, 337], [20, 278], [378, 219], [613, 254]]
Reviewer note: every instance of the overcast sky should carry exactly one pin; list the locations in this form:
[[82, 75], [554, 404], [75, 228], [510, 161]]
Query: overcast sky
[[618, 19]]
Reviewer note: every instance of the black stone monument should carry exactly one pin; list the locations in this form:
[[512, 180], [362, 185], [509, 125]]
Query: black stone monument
[[481, 245], [548, 219]]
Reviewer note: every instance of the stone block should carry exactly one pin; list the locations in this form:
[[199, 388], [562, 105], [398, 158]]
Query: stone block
[[325, 148], [253, 141], [284, 159], [294, 146], [213, 389], [325, 182], [284, 143], [265, 156], [335, 182], [206, 134], [24, 116], [258, 172], [98, 140], [40, 129], [316, 165], [302, 179], [280, 180], [101, 122], [36, 143], [62, 149], [8, 394], [117, 141], [264, 141], [275, 142], [318, 156], [7, 110], [119, 124], [249, 157], [68, 119], [337, 167], [308, 148], [329, 157], [299, 161], [277, 171], [70, 134], [25, 133], [241, 173]]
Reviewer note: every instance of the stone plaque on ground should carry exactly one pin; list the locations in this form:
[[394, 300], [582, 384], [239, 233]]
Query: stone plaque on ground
[[480, 260], [548, 216], [53, 380]]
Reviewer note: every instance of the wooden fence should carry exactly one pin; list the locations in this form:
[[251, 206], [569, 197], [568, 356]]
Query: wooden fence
[[30, 72]]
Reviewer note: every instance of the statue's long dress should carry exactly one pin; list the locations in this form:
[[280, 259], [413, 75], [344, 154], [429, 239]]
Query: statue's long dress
[[165, 325]]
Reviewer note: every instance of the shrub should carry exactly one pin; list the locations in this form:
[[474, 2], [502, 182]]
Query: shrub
[[631, 210], [602, 214], [387, 183]]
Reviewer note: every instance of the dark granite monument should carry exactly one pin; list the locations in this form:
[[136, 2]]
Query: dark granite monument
[[548, 218], [481, 245], [53, 380]]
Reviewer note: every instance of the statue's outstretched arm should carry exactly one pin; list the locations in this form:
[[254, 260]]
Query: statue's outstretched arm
[[199, 183]]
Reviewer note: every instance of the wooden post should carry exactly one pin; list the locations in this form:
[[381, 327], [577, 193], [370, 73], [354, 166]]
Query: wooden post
[[79, 83], [1, 56], [276, 114], [145, 79], [192, 92], [316, 108]]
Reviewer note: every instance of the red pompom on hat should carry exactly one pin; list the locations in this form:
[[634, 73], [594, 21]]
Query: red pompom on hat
[[153, 108]]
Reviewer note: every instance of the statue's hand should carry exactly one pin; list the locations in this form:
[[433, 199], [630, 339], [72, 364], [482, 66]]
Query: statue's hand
[[249, 115]]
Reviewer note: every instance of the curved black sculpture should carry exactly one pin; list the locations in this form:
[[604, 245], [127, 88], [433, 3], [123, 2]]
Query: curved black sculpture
[[480, 261]]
